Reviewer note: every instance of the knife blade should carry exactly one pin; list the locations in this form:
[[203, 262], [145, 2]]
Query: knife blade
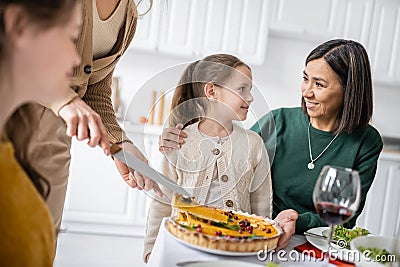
[[136, 164]]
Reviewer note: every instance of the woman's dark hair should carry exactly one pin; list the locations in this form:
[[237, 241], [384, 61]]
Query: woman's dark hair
[[349, 60], [45, 13], [188, 103]]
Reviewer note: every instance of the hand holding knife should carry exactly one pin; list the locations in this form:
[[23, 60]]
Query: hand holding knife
[[136, 164], [131, 176]]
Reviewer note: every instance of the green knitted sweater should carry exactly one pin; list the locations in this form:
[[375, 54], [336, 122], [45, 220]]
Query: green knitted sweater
[[284, 132]]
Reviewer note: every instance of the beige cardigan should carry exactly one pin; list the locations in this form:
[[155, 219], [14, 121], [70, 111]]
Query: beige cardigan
[[243, 172], [92, 79]]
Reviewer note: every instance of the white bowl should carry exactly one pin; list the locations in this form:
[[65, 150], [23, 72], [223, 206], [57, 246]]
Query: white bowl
[[392, 245]]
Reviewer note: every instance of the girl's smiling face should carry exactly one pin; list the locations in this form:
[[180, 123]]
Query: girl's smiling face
[[322, 92], [234, 97]]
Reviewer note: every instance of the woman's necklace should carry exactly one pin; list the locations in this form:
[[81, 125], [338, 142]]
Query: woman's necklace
[[311, 165]]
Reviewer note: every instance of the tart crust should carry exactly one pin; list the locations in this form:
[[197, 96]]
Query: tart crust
[[222, 243]]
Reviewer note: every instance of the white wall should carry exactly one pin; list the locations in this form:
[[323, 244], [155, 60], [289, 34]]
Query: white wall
[[279, 80]]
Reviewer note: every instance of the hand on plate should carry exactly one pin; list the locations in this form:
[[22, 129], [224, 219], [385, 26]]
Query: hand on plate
[[287, 220]]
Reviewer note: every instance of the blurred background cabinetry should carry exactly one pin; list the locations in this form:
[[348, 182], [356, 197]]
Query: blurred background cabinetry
[[381, 215], [329, 19], [374, 23], [197, 28]]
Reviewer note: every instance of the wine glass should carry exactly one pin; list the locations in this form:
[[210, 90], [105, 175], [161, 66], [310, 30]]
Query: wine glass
[[336, 196]]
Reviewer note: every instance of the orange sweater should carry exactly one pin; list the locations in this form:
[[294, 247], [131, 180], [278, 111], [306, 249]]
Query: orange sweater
[[26, 227]]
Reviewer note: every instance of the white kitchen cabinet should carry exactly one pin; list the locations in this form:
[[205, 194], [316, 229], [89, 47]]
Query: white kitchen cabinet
[[180, 27], [374, 23], [321, 20], [385, 42], [237, 27], [98, 200], [147, 30], [196, 28], [381, 214], [294, 16], [357, 20]]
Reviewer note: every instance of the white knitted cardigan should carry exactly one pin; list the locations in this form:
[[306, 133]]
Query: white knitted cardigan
[[243, 172]]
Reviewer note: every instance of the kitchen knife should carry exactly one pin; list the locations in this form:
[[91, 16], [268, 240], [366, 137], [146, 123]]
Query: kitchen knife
[[136, 164]]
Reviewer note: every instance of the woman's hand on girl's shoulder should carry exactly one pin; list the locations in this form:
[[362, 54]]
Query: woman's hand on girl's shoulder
[[171, 138]]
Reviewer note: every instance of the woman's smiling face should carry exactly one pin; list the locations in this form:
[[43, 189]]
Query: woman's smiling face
[[322, 92]]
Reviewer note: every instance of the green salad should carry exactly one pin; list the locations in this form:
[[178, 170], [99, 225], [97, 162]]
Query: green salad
[[377, 254], [347, 235]]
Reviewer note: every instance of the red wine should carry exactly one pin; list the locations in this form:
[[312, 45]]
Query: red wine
[[333, 214]]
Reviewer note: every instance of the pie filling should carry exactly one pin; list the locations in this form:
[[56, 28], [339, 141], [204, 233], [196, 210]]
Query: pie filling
[[228, 224]]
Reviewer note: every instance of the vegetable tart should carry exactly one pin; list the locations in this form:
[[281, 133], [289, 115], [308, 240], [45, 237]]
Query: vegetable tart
[[219, 229]]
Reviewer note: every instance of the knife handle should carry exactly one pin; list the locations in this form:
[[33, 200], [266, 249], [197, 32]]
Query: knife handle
[[114, 149]]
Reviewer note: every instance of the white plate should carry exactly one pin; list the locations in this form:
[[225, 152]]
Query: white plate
[[221, 263], [209, 250], [336, 251]]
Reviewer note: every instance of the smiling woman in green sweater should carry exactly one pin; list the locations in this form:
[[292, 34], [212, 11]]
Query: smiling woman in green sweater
[[331, 127], [293, 182]]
